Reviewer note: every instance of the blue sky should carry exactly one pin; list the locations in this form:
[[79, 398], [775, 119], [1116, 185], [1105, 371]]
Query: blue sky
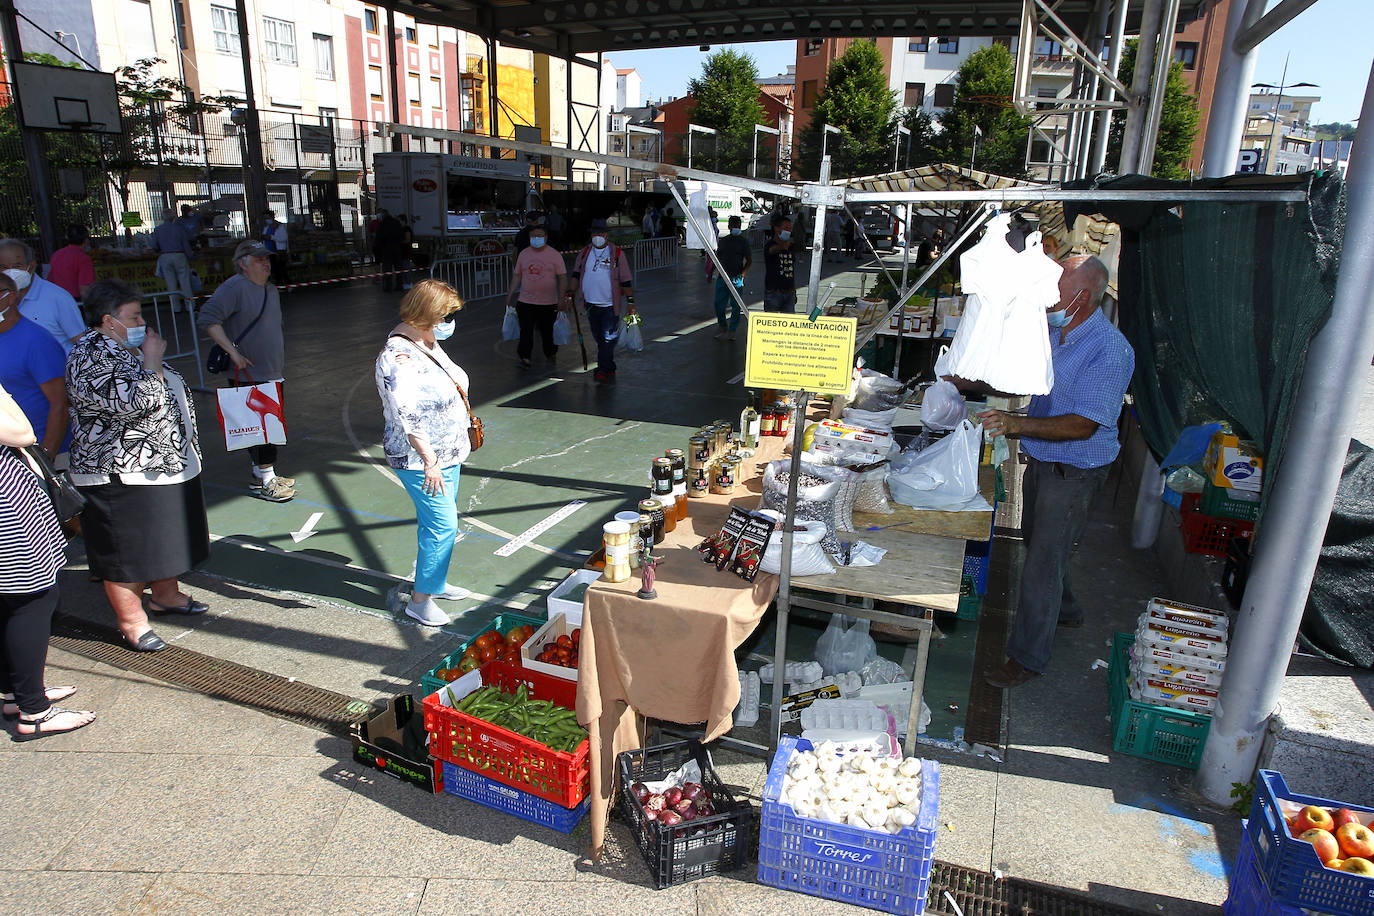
[[1328, 44]]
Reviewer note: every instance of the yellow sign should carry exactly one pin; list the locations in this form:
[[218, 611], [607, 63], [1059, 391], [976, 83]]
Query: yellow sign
[[790, 352], [131, 218]]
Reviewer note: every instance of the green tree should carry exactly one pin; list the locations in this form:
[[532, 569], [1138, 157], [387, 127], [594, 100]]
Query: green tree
[[924, 142], [983, 113], [1335, 130], [856, 100], [1178, 121], [726, 97]]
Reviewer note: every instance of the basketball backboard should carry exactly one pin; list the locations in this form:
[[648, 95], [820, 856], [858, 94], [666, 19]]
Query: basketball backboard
[[63, 98]]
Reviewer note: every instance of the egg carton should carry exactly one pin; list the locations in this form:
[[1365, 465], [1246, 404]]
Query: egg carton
[[1181, 674], [750, 691], [851, 715], [849, 682], [1175, 639], [1177, 696], [1159, 656], [793, 672], [1186, 621], [1177, 610]]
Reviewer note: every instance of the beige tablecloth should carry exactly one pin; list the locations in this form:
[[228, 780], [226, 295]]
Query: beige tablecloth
[[671, 658]]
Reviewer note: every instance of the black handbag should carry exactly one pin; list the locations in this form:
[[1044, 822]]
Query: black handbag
[[217, 360], [66, 499]]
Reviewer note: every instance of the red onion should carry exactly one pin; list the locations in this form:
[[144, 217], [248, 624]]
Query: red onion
[[655, 802], [670, 818], [641, 792], [683, 805], [692, 790], [650, 814], [688, 813], [706, 810], [703, 799], [672, 795]]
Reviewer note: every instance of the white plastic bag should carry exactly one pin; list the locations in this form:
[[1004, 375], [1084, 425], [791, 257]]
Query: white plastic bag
[[841, 650], [874, 419], [510, 325], [830, 501], [828, 646], [943, 406], [876, 391], [632, 336], [808, 557], [943, 476], [562, 330]]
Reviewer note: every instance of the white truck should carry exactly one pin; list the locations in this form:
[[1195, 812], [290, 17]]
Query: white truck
[[453, 202], [727, 201]]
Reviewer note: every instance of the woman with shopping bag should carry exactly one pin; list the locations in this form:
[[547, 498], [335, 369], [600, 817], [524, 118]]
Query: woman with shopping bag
[[135, 456], [429, 433]]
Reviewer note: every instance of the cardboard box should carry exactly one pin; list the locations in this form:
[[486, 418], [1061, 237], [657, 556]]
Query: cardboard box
[[1234, 463], [389, 725], [556, 627], [571, 609]]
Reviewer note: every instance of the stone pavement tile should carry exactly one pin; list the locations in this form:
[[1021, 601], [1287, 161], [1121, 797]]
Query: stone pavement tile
[[287, 895], [742, 894], [49, 798], [393, 828], [967, 809], [99, 688], [551, 898], [226, 814], [73, 893], [285, 738]]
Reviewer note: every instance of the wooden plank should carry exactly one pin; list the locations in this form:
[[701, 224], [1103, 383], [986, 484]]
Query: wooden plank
[[970, 526], [919, 569]]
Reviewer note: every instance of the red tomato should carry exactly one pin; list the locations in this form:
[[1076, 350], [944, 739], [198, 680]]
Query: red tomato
[[565, 642], [488, 653], [528, 630], [577, 636], [491, 637]]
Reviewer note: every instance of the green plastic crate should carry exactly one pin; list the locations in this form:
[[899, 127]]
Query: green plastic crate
[[1219, 502], [970, 602], [501, 623], [1158, 733]]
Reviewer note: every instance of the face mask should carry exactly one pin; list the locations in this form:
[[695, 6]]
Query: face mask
[[536, 242], [599, 241], [736, 231], [784, 235], [21, 277], [133, 337], [444, 330], [1058, 318]]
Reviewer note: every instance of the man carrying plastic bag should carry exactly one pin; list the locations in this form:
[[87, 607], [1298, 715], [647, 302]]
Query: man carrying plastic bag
[[1069, 437]]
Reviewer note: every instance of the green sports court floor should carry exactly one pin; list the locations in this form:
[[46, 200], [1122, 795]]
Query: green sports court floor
[[553, 438]]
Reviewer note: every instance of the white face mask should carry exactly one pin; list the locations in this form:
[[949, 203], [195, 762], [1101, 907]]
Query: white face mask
[[444, 330], [599, 241], [21, 277], [133, 337]]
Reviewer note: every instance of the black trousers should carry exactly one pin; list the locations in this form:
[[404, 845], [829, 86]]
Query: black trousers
[[25, 625]]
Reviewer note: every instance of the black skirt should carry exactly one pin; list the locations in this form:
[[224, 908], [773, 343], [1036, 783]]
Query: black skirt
[[144, 533]]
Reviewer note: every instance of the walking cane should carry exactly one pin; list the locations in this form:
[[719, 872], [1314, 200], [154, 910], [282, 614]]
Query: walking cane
[[581, 344]]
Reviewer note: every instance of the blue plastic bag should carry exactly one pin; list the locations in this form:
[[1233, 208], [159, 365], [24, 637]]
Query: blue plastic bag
[[1191, 446]]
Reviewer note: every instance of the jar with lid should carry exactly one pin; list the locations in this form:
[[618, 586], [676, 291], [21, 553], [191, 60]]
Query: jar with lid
[[644, 533], [783, 420], [699, 482], [767, 420], [654, 509], [723, 483], [698, 451], [678, 461], [631, 518], [615, 539], [722, 430], [662, 476]]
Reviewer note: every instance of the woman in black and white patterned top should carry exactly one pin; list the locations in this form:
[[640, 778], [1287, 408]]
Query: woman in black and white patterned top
[[31, 553]]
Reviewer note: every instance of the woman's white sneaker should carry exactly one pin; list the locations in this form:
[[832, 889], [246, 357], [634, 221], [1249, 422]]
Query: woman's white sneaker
[[453, 593], [427, 613]]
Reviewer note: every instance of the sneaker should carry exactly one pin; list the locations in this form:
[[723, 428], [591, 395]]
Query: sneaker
[[599, 376], [427, 613], [257, 482], [453, 593], [275, 492], [610, 378], [721, 335]]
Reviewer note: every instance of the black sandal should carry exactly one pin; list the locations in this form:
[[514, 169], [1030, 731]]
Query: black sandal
[[40, 732], [53, 694]]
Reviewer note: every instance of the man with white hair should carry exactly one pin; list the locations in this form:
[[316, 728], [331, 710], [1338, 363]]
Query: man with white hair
[[244, 317], [1069, 438], [44, 303]]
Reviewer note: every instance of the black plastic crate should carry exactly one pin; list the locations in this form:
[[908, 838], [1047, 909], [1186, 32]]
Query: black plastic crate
[[701, 847]]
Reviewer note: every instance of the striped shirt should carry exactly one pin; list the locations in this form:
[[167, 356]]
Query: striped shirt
[[1093, 364], [31, 543]]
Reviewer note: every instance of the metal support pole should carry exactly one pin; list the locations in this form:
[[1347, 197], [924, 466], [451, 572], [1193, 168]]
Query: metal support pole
[[1137, 114], [1287, 544], [1097, 34], [1104, 125], [569, 160], [254, 191], [494, 129], [1231, 97], [710, 252], [1275, 19], [391, 76], [1164, 60]]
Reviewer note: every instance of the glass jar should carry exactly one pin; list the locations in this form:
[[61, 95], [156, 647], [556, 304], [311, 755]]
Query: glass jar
[[698, 452], [631, 518], [783, 421], [615, 539], [767, 420], [654, 509], [699, 482], [678, 461], [645, 532], [662, 477], [723, 483]]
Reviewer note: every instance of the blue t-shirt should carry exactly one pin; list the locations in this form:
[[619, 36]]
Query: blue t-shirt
[[1093, 364], [28, 358], [53, 308]]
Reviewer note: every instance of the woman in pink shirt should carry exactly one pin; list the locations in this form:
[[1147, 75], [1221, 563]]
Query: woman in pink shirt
[[71, 267], [538, 280]]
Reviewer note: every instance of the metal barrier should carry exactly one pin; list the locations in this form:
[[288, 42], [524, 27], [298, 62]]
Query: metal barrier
[[178, 328], [479, 277], [654, 254]]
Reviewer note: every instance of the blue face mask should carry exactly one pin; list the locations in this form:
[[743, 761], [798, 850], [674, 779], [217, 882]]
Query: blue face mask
[[133, 337], [444, 330], [536, 241], [1057, 319], [784, 235], [736, 231]]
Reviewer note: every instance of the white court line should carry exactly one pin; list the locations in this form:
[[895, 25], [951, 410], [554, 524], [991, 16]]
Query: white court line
[[544, 524]]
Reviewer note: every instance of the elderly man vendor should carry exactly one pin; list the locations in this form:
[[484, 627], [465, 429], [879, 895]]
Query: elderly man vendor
[[1069, 438]]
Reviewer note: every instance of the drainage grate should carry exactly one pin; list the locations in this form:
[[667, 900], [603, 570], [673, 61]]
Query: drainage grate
[[980, 894], [271, 693]]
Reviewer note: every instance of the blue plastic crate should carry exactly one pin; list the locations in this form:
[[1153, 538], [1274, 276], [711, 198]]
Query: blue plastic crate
[[874, 869], [469, 785], [1249, 896], [1289, 866], [976, 568]]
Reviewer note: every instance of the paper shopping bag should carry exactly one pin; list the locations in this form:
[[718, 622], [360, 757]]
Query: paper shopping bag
[[251, 416]]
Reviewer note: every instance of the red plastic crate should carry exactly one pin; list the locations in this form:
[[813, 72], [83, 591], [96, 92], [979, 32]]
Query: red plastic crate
[[1207, 535], [497, 753]]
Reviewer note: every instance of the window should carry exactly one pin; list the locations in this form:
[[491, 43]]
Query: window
[[813, 47], [279, 40], [944, 95], [1050, 48], [615, 180], [324, 57], [1185, 53], [410, 34], [374, 82], [948, 46], [225, 23], [918, 45], [179, 16], [809, 94], [915, 95], [1045, 93], [437, 92], [413, 88], [370, 21], [329, 115]]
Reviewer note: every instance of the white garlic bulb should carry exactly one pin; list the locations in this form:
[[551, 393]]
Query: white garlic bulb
[[911, 766]]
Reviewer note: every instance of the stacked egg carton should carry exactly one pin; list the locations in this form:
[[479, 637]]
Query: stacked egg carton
[[1178, 656]]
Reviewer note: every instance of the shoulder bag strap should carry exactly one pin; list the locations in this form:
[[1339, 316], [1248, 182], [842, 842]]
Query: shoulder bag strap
[[254, 322], [461, 393]]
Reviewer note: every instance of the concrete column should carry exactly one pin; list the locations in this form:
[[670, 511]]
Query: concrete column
[[1138, 113], [1231, 97], [1300, 498]]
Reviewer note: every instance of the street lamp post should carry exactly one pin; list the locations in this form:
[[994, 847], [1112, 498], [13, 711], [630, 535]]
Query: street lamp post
[[1278, 104], [897, 145], [698, 129], [826, 131], [754, 159]]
